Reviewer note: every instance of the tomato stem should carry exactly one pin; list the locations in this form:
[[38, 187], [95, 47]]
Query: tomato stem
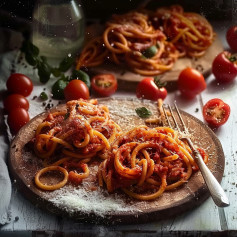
[[158, 82]]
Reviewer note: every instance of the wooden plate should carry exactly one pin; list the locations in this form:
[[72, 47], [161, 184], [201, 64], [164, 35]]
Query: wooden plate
[[202, 64], [90, 203]]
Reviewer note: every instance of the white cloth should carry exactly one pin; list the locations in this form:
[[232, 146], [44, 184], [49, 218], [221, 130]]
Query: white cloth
[[8, 61], [5, 183]]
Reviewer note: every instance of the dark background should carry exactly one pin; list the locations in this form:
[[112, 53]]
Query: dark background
[[219, 9], [17, 14]]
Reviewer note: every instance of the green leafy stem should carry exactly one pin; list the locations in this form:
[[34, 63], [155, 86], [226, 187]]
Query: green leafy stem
[[41, 64], [33, 58]]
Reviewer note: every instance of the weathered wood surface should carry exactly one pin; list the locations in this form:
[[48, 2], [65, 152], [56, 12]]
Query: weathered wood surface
[[23, 165], [203, 64], [28, 220]]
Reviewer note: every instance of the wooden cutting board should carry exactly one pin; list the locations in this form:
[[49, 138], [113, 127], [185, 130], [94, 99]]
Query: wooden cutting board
[[90, 203], [127, 78]]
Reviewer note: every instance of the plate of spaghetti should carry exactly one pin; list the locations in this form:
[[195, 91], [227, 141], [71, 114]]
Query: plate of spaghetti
[[150, 43], [98, 161]]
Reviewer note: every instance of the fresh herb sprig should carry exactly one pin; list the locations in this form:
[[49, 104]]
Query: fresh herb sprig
[[45, 71], [143, 112], [41, 64]]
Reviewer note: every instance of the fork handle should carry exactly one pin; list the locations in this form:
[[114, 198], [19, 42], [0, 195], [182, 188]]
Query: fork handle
[[216, 191]]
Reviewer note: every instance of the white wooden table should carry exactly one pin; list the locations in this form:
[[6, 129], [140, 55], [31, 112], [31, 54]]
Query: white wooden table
[[205, 220]]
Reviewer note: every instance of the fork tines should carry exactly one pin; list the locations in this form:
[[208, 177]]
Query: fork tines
[[177, 127]]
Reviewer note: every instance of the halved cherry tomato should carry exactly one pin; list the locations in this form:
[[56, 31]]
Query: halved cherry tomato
[[231, 37], [216, 112], [19, 84], [17, 118], [104, 84], [76, 89], [15, 101], [150, 89], [191, 83], [224, 67]]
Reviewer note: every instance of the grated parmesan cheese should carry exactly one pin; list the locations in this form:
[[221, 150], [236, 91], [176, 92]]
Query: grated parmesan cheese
[[98, 202]]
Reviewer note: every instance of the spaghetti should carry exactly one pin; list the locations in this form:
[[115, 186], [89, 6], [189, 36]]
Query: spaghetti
[[124, 40], [145, 162], [74, 137], [170, 32], [191, 33]]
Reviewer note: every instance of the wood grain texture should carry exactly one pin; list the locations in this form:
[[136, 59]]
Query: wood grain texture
[[202, 64], [24, 164], [228, 137], [201, 221]]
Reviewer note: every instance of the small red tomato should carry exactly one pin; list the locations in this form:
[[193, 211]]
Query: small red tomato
[[151, 89], [19, 84], [104, 84], [231, 37], [191, 83], [14, 101], [224, 67], [17, 118], [216, 112], [76, 89]]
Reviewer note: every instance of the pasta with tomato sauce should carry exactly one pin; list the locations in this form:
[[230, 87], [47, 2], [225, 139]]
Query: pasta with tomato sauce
[[145, 162], [124, 40], [149, 42], [190, 32], [70, 139]]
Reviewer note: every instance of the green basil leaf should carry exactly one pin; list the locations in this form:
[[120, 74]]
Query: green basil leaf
[[56, 72], [34, 50], [24, 47], [233, 58], [44, 59], [143, 112], [66, 116], [158, 82], [31, 59], [66, 64], [150, 52], [58, 89], [81, 75], [43, 96], [44, 71]]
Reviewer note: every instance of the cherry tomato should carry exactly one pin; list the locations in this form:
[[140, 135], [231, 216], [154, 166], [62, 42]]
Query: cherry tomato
[[76, 89], [216, 112], [231, 37], [104, 84], [224, 67], [191, 83], [150, 89], [19, 84], [17, 118], [14, 101]]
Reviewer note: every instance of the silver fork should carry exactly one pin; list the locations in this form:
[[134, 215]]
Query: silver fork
[[216, 191]]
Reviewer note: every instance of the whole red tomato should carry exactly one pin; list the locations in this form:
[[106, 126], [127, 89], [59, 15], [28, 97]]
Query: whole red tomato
[[17, 118], [216, 112], [231, 37], [19, 84], [14, 101], [191, 83], [104, 84], [76, 89], [149, 88], [224, 67]]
